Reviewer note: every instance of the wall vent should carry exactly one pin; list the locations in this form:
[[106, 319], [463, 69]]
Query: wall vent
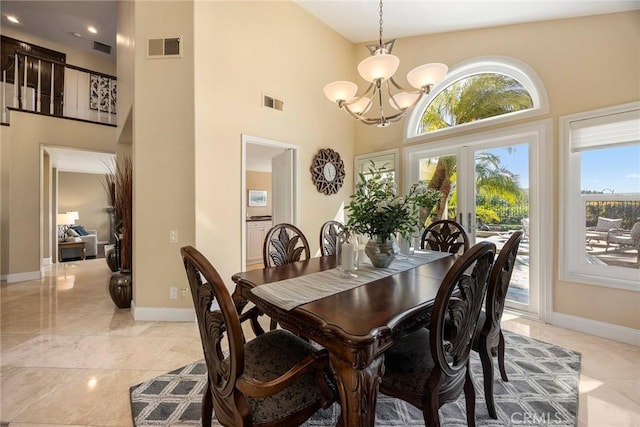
[[269, 101], [105, 48], [164, 48]]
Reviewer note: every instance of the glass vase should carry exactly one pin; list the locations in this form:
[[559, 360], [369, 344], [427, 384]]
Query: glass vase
[[347, 254]]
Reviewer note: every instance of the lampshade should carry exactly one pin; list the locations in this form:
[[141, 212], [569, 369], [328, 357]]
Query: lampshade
[[340, 90], [403, 100], [64, 219], [73, 215], [427, 74], [379, 66]]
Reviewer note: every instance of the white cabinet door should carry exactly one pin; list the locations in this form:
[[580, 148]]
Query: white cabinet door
[[255, 237]]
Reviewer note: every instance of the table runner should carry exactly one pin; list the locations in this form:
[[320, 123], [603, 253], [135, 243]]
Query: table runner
[[290, 293]]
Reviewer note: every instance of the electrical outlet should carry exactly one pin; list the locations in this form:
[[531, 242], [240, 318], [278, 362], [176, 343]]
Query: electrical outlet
[[173, 293], [183, 293], [173, 236]]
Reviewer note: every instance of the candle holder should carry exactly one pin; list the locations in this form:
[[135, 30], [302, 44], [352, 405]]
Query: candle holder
[[347, 254]]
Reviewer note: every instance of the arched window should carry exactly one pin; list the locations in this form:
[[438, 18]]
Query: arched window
[[477, 93]]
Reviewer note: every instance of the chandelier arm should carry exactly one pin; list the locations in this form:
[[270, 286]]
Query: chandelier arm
[[370, 89]]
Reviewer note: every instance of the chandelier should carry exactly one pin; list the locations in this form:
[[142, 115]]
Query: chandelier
[[378, 70]]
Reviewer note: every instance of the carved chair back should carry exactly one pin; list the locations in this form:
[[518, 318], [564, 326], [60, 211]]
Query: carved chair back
[[445, 236], [499, 283], [216, 327], [457, 306], [489, 337], [329, 237], [284, 243]]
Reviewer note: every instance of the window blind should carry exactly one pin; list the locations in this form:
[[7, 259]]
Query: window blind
[[614, 129]]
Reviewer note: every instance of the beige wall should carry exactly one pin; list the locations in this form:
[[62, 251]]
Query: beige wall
[[260, 181], [85, 193], [242, 50], [21, 176], [584, 63], [163, 154]]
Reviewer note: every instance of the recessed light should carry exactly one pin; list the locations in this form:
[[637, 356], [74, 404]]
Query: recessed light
[[78, 35], [13, 19], [92, 30]]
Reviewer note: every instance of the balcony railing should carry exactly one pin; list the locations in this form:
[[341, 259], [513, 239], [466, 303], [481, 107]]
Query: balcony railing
[[44, 86]]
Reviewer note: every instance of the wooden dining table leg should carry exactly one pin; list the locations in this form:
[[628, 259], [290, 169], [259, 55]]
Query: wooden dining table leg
[[358, 389]]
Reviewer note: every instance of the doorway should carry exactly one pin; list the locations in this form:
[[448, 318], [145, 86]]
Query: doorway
[[498, 184], [269, 192]]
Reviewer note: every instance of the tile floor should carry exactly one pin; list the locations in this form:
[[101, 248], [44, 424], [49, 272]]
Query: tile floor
[[68, 356]]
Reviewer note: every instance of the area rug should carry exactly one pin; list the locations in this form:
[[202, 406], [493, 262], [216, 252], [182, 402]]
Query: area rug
[[542, 390]]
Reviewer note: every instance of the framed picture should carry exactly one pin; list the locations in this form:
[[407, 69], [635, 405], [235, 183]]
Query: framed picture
[[257, 197]]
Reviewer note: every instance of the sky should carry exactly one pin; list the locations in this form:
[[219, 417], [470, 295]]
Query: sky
[[616, 169]]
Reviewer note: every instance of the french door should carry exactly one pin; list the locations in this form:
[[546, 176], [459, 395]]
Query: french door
[[492, 184]]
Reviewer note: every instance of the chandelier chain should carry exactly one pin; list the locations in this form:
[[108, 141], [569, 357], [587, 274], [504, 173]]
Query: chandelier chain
[[380, 32]]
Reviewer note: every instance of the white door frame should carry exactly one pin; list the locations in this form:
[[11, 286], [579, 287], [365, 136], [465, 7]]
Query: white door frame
[[539, 134], [257, 140]]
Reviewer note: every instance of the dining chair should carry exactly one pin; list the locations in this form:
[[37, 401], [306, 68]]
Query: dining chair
[[430, 366], [446, 236], [489, 340], [276, 379], [329, 237], [284, 243]]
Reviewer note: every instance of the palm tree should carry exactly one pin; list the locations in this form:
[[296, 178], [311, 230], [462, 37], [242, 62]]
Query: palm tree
[[475, 98]]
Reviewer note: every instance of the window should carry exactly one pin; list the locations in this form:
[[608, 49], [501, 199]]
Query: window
[[477, 93], [381, 159], [601, 166]]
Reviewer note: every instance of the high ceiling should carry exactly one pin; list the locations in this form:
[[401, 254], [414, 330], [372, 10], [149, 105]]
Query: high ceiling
[[356, 20]]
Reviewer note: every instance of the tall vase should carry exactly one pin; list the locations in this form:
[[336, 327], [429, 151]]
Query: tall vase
[[381, 253], [121, 289]]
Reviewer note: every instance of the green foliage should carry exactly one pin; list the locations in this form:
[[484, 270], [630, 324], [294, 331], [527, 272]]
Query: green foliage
[[378, 211], [474, 98]]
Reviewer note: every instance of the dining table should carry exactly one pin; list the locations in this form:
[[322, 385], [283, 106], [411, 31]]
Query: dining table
[[355, 317]]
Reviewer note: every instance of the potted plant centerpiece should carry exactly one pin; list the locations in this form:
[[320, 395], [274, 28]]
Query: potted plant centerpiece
[[377, 211]]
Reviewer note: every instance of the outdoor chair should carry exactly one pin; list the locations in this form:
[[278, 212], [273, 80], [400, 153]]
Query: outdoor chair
[[430, 367], [329, 236], [445, 236], [601, 231], [625, 239], [489, 339], [276, 379]]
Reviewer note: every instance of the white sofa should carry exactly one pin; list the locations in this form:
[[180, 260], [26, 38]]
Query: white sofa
[[91, 247]]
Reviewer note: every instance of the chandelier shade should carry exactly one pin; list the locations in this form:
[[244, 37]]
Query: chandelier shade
[[378, 69], [340, 91], [426, 75]]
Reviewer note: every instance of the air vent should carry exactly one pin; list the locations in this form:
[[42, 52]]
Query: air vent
[[164, 48], [269, 101], [105, 48]]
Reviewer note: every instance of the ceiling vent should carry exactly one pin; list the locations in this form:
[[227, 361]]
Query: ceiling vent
[[269, 101], [164, 48], [104, 48]]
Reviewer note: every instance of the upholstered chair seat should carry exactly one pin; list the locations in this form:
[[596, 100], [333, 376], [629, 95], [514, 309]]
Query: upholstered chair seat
[[268, 357]]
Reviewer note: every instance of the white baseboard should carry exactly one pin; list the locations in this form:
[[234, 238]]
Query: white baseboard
[[163, 314], [21, 277], [47, 261], [595, 327]]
